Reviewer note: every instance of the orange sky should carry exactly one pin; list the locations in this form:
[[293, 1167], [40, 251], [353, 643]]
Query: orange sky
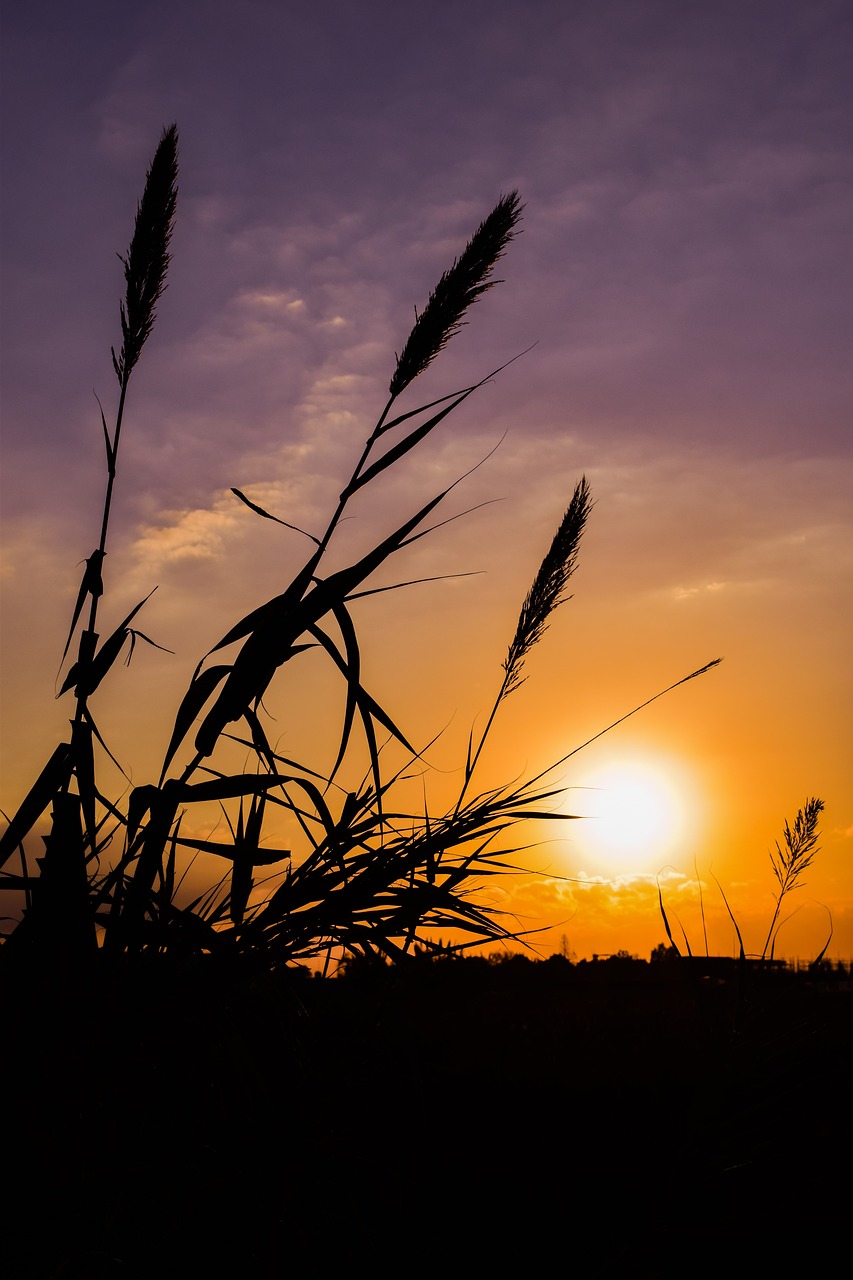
[[684, 273], [738, 749]]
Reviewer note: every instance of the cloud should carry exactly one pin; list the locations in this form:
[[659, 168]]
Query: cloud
[[248, 327], [689, 593], [610, 894], [186, 535]]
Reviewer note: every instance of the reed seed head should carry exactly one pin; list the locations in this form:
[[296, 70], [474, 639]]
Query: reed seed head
[[800, 846], [549, 586], [148, 257], [457, 289]]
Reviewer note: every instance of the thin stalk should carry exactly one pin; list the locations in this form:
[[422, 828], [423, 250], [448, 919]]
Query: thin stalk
[[112, 454], [349, 488], [701, 905]]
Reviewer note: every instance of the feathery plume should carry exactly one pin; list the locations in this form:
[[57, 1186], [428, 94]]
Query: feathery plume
[[549, 586], [800, 846], [457, 289], [796, 857], [148, 256]]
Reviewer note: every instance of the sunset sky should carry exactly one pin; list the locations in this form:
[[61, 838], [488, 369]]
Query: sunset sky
[[684, 280]]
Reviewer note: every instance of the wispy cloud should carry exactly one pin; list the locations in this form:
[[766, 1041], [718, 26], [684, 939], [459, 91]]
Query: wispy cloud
[[690, 593], [195, 535]]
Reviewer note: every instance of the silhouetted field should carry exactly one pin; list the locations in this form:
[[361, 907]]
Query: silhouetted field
[[617, 1118]]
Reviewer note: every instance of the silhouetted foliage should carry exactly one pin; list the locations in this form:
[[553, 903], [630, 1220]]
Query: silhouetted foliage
[[365, 878]]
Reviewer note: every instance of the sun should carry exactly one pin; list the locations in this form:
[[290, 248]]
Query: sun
[[635, 814]]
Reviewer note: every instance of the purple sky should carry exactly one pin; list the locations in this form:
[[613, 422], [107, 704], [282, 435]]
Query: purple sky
[[685, 271]]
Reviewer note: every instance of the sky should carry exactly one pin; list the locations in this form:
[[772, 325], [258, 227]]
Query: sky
[[681, 291]]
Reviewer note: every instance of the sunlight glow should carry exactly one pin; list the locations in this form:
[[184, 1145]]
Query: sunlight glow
[[636, 815]]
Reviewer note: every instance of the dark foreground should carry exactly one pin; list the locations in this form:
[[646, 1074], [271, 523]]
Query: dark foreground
[[605, 1120]]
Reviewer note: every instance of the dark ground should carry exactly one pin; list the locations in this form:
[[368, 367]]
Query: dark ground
[[619, 1119]]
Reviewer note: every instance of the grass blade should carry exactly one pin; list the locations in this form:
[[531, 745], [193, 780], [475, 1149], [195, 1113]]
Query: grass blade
[[53, 778]]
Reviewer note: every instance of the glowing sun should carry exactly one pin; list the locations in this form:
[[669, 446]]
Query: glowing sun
[[634, 815]]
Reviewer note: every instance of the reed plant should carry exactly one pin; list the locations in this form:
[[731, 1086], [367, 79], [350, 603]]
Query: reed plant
[[789, 860], [373, 876], [788, 863]]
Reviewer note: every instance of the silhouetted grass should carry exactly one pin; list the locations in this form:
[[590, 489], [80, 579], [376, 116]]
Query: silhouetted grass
[[789, 864], [369, 876], [195, 1103]]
